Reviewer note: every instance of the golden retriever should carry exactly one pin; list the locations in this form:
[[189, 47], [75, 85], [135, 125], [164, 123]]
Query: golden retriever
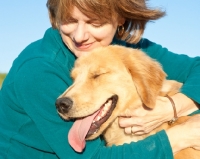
[[110, 82]]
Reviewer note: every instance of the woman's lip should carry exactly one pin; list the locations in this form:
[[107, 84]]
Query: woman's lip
[[83, 46]]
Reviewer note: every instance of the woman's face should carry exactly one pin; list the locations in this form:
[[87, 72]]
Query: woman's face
[[82, 34]]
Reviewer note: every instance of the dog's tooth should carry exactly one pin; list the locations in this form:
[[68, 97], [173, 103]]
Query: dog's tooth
[[109, 102], [106, 105], [103, 113], [105, 108], [98, 118]]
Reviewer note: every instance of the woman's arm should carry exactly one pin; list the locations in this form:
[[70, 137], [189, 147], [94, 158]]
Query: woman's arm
[[156, 146], [38, 84], [184, 105]]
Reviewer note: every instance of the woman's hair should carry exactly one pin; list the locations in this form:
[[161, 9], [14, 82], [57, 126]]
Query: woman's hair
[[135, 12]]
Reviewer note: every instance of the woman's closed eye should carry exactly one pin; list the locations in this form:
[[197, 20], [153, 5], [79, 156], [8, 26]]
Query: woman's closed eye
[[96, 23]]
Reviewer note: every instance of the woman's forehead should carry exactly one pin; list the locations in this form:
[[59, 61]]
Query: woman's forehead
[[91, 8]]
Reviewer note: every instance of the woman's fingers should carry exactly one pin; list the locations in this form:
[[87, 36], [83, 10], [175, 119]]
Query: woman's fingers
[[130, 121], [137, 130], [130, 124], [127, 130], [137, 126]]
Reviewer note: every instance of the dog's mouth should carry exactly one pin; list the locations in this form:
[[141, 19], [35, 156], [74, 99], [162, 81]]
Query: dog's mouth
[[87, 126], [103, 114]]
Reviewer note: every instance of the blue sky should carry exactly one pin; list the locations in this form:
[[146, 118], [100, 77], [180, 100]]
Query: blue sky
[[25, 21]]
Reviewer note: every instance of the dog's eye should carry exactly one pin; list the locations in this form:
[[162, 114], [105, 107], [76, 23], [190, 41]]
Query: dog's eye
[[98, 75], [95, 76]]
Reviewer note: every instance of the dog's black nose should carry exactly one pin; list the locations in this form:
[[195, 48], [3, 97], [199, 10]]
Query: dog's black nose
[[63, 105]]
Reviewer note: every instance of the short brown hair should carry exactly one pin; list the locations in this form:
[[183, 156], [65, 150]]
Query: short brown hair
[[135, 12]]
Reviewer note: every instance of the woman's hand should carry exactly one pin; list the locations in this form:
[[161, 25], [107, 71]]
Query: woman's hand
[[185, 135], [142, 120]]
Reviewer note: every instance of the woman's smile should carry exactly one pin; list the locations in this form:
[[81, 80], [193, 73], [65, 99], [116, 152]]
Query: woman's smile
[[84, 47]]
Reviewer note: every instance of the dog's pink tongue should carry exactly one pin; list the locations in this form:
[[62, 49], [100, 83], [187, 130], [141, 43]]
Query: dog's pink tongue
[[78, 132]]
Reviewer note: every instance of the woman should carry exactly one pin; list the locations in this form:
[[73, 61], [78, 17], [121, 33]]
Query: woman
[[30, 125]]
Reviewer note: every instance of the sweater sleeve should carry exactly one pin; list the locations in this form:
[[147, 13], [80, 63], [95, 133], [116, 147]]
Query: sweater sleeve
[[37, 85], [178, 67], [156, 146]]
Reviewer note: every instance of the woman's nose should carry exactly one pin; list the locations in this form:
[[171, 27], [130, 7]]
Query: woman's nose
[[80, 33]]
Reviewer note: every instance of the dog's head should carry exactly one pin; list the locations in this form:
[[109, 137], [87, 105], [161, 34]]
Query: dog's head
[[107, 81]]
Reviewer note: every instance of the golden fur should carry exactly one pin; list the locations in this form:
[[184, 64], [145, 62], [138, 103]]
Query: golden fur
[[128, 73]]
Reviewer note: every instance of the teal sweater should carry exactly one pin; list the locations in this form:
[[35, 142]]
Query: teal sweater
[[30, 127]]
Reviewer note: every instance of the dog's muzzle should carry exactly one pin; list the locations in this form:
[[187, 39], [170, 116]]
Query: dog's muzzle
[[63, 105]]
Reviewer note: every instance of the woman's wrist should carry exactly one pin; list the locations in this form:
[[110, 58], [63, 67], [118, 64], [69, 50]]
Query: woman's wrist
[[184, 105], [175, 117]]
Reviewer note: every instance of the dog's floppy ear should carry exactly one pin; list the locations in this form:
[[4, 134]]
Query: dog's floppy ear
[[147, 75]]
